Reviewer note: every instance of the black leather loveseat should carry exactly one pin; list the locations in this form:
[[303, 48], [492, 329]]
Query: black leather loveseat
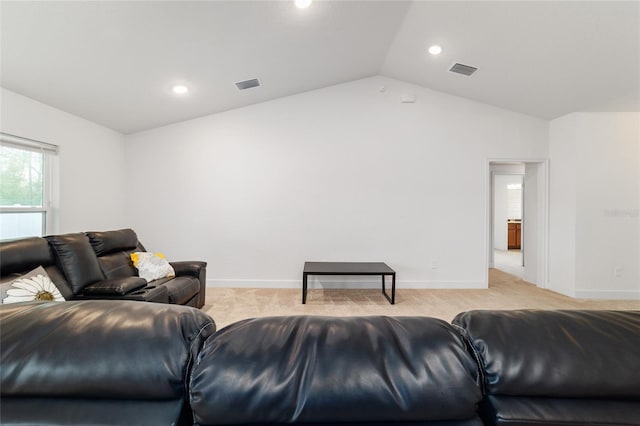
[[97, 265], [123, 362]]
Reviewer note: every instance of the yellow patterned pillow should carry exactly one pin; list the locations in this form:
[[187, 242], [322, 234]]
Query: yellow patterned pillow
[[152, 266]]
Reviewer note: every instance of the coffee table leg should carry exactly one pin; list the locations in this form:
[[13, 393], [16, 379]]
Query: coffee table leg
[[304, 288], [393, 288], [391, 299]]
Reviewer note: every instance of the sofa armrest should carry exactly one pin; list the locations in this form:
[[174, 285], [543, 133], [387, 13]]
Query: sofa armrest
[[116, 286], [196, 269], [188, 268]]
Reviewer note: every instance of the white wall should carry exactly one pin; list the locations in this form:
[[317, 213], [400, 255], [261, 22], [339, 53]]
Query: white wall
[[533, 224], [90, 165], [345, 173], [595, 205], [562, 204]]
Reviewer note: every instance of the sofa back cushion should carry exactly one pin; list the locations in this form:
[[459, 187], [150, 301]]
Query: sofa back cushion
[[75, 257], [105, 242], [113, 249], [114, 355], [320, 369], [20, 256], [107, 349], [569, 354], [117, 265]]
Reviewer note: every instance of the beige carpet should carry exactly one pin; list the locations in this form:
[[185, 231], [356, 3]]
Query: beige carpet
[[227, 305]]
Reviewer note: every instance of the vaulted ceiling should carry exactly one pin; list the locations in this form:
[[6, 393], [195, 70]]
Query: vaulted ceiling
[[114, 63]]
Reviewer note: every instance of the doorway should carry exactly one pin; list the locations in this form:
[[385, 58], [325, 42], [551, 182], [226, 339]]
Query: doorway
[[507, 218], [517, 218]]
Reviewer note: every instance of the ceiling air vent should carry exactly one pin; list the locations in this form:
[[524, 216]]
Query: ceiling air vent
[[248, 84], [463, 69]]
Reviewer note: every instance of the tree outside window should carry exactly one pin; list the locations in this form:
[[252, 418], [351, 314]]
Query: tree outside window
[[24, 180], [21, 178]]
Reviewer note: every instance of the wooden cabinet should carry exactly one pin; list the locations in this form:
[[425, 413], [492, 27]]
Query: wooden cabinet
[[514, 235]]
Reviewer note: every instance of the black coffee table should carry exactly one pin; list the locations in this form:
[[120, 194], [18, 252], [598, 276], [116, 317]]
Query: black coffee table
[[350, 268]]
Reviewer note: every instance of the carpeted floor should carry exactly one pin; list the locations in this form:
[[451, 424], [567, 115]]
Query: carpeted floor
[[227, 305]]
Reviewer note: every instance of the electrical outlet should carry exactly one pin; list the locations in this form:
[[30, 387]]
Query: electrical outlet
[[434, 264], [617, 271]]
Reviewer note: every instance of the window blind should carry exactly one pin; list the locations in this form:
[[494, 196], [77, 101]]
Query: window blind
[[13, 141]]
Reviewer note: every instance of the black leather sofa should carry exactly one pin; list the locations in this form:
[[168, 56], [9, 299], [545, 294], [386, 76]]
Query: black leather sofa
[[122, 362], [97, 265]]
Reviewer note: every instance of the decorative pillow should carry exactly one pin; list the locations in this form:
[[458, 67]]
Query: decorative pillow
[[36, 285], [152, 266]]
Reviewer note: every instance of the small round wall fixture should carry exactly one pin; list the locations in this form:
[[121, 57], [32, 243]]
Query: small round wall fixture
[[435, 49], [303, 4], [180, 89]]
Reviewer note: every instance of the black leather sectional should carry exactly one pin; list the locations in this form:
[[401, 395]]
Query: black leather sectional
[[97, 265], [125, 362]]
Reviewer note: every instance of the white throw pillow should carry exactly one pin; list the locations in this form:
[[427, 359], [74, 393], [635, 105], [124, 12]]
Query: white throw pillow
[[36, 285], [152, 266]]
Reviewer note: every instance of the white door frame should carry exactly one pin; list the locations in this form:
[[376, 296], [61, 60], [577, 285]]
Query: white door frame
[[543, 231]]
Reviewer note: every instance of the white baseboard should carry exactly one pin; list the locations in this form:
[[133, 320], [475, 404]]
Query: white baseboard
[[608, 294], [441, 285], [559, 291], [239, 283], [349, 282]]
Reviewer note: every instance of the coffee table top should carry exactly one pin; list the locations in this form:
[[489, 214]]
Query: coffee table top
[[347, 268]]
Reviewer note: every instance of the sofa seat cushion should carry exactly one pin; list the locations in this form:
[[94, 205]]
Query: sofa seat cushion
[[525, 411], [180, 289], [332, 370]]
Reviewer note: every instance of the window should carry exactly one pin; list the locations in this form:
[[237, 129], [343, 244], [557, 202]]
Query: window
[[25, 187]]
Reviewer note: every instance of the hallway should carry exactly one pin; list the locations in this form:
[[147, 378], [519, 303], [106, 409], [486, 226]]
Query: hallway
[[509, 261]]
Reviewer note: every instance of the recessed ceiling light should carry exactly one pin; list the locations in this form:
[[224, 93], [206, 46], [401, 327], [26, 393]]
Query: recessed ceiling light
[[303, 4], [435, 49], [180, 89]]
